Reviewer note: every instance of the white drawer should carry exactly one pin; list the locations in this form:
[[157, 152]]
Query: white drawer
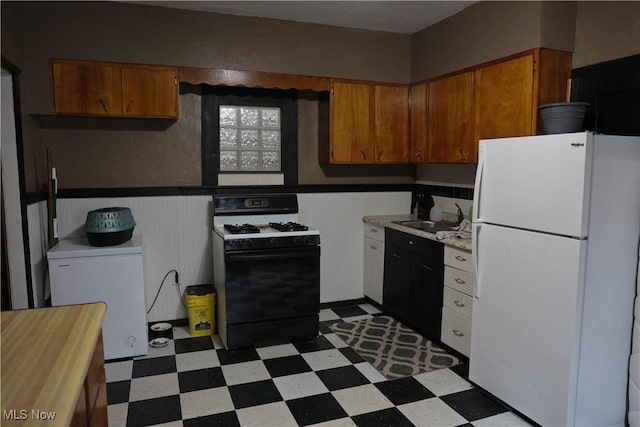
[[374, 232], [456, 331], [458, 302], [458, 258], [463, 281]]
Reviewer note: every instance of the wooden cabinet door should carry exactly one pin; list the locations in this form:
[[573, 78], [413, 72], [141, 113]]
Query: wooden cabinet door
[[449, 119], [351, 123], [504, 100], [397, 281], [418, 123], [149, 91], [425, 297], [373, 268], [391, 124], [103, 94], [82, 88], [68, 88]]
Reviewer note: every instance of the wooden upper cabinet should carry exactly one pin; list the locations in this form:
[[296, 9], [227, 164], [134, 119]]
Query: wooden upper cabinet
[[86, 89], [507, 93], [498, 99], [351, 123], [503, 99], [368, 123], [418, 123], [449, 119], [391, 124], [111, 89], [150, 91]]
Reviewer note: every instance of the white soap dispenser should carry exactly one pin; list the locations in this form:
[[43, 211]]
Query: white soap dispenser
[[436, 213]]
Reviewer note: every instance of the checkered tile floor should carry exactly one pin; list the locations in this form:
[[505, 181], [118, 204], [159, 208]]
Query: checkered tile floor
[[196, 382]]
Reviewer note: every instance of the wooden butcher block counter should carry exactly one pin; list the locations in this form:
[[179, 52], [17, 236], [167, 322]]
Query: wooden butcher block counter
[[52, 364]]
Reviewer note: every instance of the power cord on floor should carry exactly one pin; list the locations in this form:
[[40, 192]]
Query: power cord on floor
[[162, 283]]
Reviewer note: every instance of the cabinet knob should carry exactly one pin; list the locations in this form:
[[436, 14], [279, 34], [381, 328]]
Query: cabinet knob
[[374, 230], [373, 247], [395, 255], [460, 258], [459, 303], [460, 281], [427, 267], [411, 242], [457, 333]]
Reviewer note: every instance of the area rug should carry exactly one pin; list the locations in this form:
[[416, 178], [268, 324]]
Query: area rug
[[392, 348]]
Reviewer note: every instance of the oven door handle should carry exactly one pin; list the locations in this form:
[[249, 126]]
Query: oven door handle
[[270, 254]]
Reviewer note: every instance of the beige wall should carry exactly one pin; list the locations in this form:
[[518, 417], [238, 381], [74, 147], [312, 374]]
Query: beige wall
[[491, 30], [605, 31]]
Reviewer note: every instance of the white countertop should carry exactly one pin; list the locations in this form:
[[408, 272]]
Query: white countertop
[[387, 221]]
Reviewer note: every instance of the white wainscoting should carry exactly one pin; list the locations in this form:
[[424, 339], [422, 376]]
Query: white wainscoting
[[338, 216], [177, 235], [38, 230]]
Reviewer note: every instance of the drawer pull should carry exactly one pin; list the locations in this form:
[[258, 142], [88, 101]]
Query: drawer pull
[[64, 265], [459, 303], [459, 281], [457, 333], [460, 258], [373, 247], [395, 255], [427, 267], [373, 230]]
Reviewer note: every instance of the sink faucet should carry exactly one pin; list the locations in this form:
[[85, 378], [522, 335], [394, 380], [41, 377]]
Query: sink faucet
[[460, 214]]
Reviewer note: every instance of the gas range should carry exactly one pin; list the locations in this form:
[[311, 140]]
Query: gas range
[[266, 270], [259, 222]]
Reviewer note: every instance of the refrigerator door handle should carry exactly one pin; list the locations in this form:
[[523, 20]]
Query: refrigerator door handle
[[478, 184], [475, 238]]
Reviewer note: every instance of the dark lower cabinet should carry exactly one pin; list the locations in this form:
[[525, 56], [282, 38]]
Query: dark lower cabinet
[[413, 281]]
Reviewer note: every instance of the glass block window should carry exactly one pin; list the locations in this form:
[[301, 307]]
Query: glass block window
[[250, 138]]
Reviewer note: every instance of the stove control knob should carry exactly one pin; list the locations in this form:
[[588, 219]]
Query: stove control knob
[[240, 243], [298, 241], [274, 242], [248, 243]]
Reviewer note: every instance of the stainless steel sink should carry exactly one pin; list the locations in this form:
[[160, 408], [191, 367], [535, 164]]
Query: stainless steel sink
[[425, 225]]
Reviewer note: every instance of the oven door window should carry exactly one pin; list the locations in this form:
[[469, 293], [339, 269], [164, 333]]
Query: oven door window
[[272, 284]]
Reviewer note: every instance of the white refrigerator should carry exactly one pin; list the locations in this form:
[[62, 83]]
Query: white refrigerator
[[556, 227]]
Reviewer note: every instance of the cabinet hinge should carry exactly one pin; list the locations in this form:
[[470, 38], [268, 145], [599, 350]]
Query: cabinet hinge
[[535, 66], [175, 81]]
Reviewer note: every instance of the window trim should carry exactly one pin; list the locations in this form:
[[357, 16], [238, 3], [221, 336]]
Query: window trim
[[286, 100]]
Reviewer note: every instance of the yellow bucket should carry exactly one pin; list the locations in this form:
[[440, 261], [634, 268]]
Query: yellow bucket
[[201, 303]]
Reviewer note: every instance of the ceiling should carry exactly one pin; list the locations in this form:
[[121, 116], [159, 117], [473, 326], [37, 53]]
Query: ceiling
[[405, 17]]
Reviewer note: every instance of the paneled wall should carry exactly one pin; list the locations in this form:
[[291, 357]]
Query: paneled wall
[[177, 235]]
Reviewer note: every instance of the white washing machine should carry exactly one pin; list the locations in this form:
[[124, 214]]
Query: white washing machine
[[80, 273]]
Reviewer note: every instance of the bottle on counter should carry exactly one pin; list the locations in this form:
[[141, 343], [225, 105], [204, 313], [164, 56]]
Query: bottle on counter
[[436, 213]]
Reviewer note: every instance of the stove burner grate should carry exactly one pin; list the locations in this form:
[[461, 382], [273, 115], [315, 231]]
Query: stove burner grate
[[241, 229], [289, 226]]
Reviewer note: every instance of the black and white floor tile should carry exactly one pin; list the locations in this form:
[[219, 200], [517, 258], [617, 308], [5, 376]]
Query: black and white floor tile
[[196, 382]]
